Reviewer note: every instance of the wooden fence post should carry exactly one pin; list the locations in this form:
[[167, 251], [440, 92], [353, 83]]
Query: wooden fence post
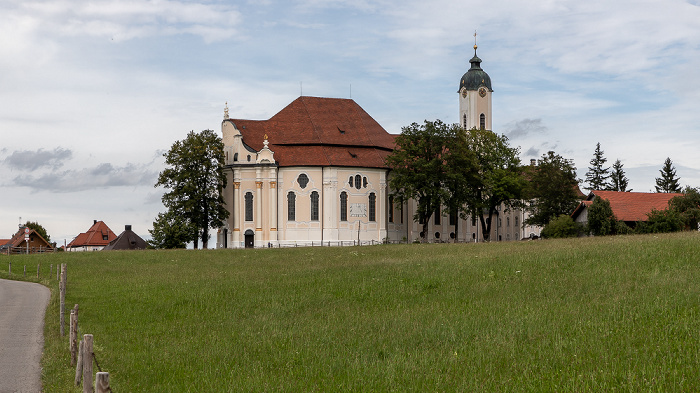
[[25, 271], [87, 363], [79, 365], [9, 269], [102, 383], [71, 338], [37, 270], [62, 292]]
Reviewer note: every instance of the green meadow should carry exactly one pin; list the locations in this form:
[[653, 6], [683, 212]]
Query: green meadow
[[611, 314]]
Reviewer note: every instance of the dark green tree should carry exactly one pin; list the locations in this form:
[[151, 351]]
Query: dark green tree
[[461, 175], [597, 175], [618, 180], [601, 219], [552, 189], [661, 221], [500, 181], [668, 182], [171, 230], [195, 177], [418, 168], [688, 207], [38, 228]]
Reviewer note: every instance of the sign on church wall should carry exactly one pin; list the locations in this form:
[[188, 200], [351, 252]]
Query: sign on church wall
[[358, 210]]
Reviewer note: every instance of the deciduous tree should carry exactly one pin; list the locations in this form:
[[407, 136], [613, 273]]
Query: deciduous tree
[[499, 177], [38, 228], [601, 219], [195, 178], [171, 230], [552, 189], [418, 169]]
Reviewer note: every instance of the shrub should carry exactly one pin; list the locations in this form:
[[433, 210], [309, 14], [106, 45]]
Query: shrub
[[601, 220], [661, 221], [562, 226]]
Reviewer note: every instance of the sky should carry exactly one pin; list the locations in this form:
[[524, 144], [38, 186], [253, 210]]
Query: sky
[[92, 93]]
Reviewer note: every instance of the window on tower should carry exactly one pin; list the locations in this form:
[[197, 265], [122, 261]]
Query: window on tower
[[464, 120], [482, 121]]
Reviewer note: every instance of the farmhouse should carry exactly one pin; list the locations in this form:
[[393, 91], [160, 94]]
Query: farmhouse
[[95, 239], [127, 240], [314, 173], [18, 244], [630, 207]]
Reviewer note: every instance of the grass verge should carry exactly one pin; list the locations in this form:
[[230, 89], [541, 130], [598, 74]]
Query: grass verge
[[594, 314]]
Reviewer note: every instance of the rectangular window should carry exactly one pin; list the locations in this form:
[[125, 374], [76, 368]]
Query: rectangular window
[[372, 207], [438, 213], [453, 217]]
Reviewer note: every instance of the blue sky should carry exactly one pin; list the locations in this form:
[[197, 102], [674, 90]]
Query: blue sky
[[94, 92]]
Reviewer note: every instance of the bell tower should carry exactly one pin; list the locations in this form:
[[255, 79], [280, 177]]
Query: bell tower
[[475, 96]]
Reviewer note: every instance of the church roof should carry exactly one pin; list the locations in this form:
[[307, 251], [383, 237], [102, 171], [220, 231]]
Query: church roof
[[475, 77], [316, 131]]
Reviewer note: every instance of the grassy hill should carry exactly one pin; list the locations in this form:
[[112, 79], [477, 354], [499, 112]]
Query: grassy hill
[[598, 314]]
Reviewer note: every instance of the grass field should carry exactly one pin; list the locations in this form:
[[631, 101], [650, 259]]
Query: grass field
[[594, 314]]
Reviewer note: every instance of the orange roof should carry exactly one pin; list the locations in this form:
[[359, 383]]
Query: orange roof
[[634, 206], [317, 131], [95, 236]]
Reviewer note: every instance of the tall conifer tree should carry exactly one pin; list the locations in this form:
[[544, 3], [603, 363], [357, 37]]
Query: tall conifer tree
[[668, 182], [618, 180], [597, 175]]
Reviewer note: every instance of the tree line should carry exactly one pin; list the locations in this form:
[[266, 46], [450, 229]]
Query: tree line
[[446, 169]]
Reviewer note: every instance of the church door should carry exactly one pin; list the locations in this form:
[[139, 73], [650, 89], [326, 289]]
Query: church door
[[249, 239]]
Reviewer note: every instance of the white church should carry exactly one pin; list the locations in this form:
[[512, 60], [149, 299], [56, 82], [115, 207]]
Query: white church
[[314, 174]]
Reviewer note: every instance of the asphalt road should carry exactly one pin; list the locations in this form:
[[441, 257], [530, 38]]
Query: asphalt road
[[22, 307]]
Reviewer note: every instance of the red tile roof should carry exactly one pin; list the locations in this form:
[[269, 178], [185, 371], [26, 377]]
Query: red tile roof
[[94, 236], [315, 131], [634, 206]]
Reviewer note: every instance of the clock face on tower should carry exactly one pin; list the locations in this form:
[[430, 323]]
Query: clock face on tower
[[482, 91]]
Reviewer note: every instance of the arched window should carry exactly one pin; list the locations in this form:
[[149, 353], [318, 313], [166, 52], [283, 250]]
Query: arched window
[[249, 206], [464, 119], [482, 121], [291, 206], [235, 157], [314, 206], [303, 180], [350, 182], [364, 182], [516, 221], [507, 221], [343, 206], [372, 206], [358, 181]]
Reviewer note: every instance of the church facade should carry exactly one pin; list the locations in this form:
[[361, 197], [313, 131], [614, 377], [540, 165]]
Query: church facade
[[314, 174]]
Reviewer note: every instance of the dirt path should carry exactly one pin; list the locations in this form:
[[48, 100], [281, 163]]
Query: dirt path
[[22, 307]]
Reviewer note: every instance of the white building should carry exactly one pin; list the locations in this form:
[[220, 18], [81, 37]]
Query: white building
[[314, 173]]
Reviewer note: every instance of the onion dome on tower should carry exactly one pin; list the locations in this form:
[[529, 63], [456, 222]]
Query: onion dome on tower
[[475, 77]]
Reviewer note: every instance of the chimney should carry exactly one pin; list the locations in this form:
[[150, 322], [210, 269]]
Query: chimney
[[127, 227], [94, 222]]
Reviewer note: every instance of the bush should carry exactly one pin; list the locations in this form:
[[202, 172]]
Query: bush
[[601, 220], [562, 226], [661, 221]]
